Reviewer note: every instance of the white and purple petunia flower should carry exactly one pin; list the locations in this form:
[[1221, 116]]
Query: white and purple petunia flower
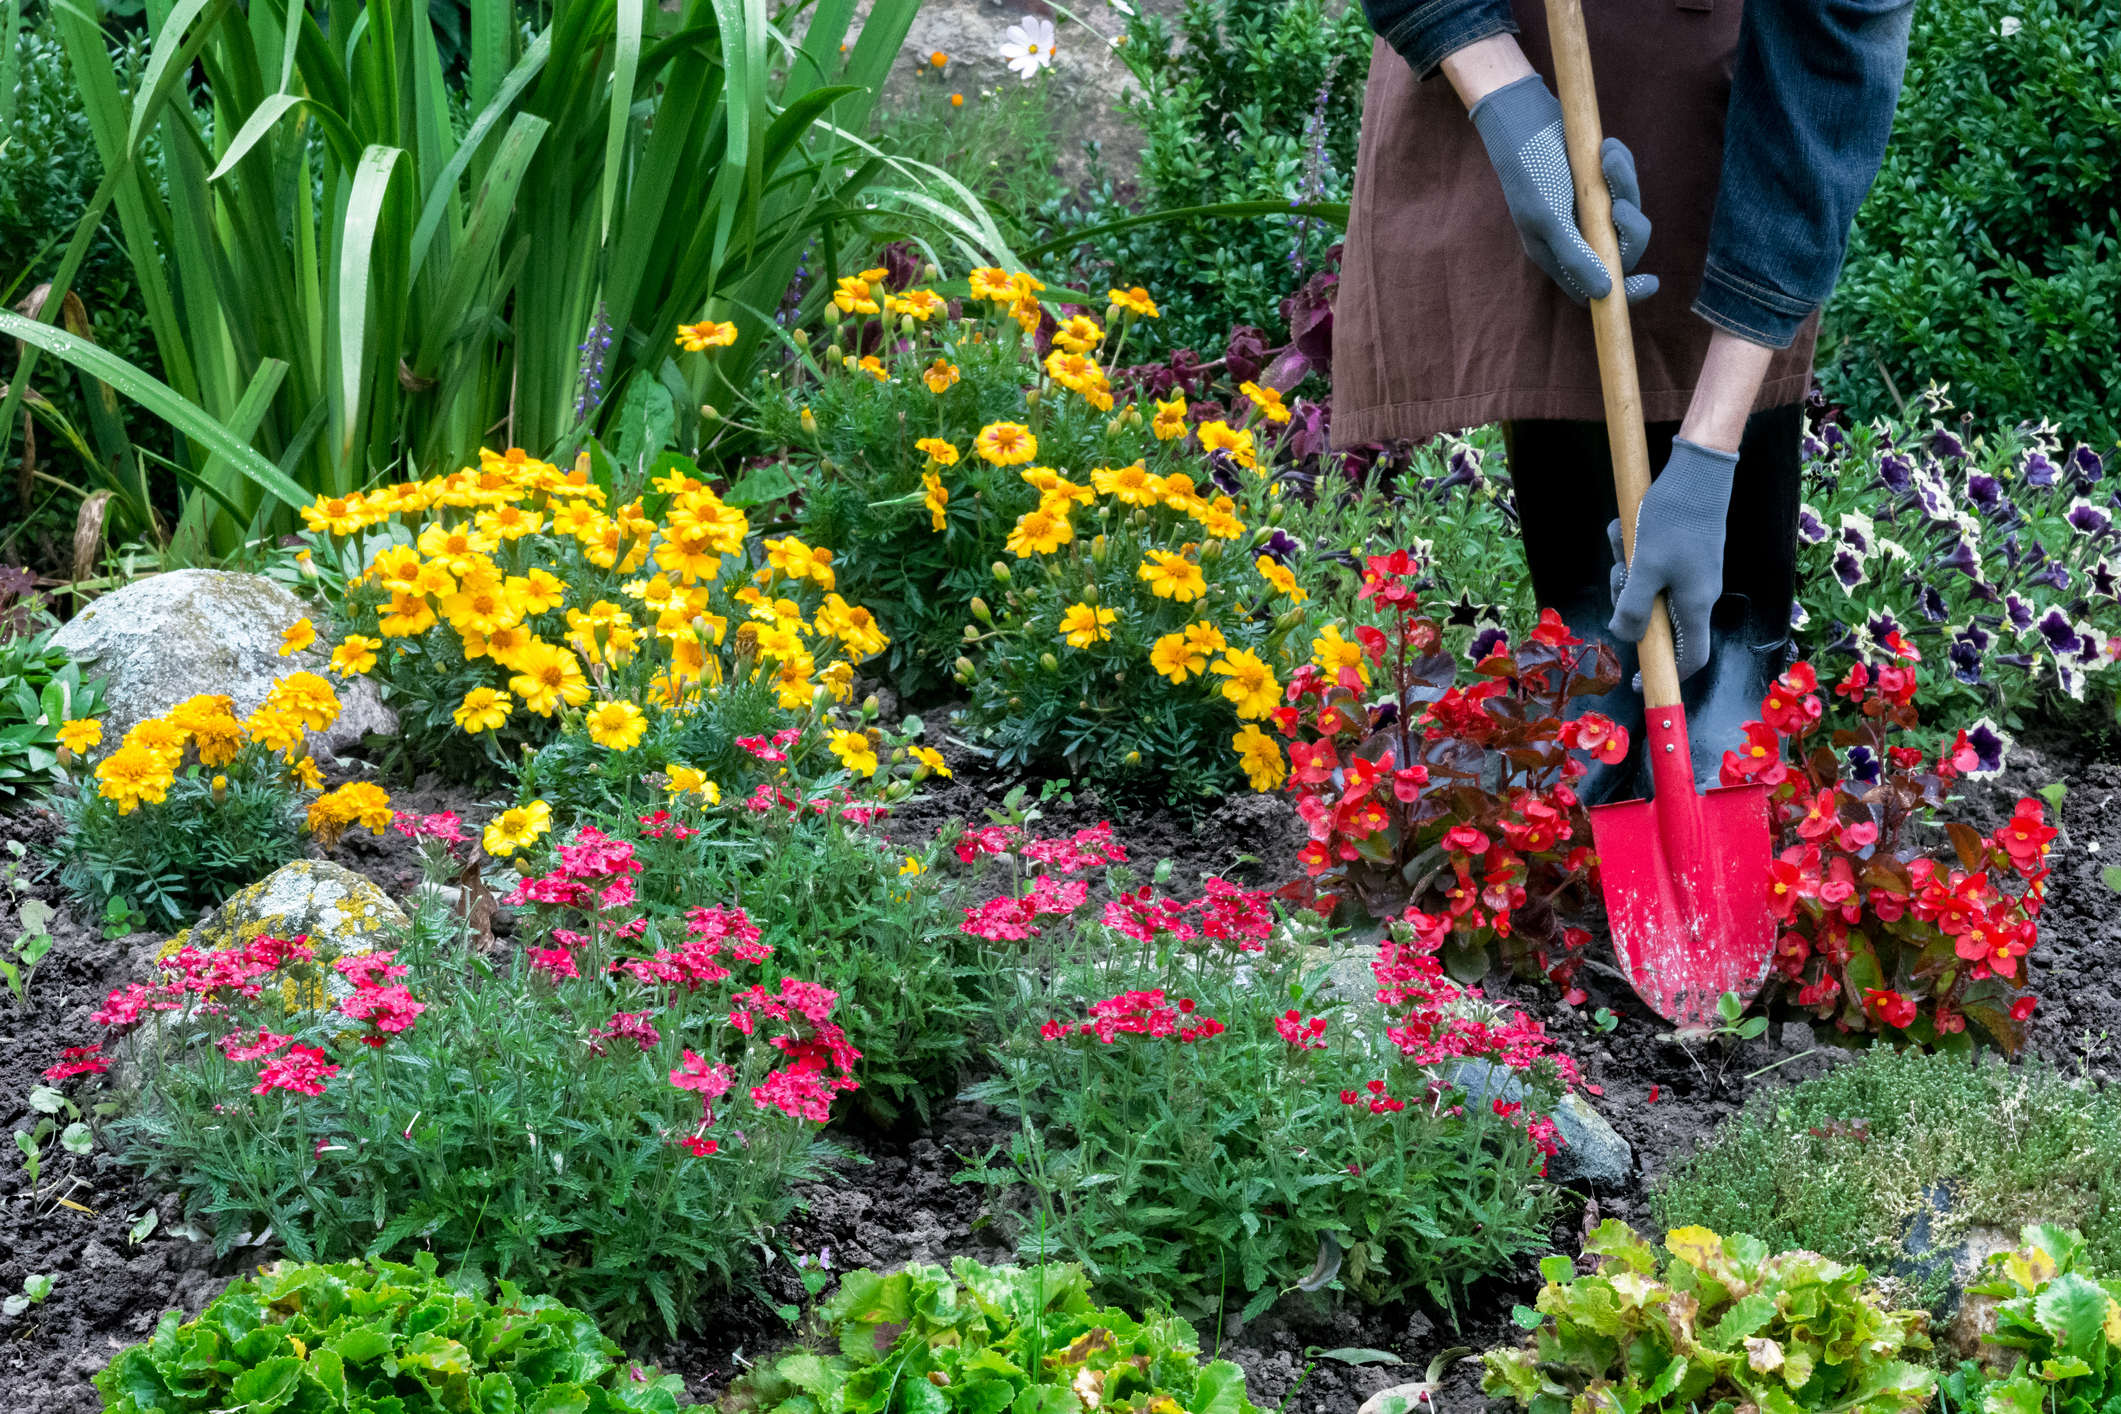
[[2088, 519], [2019, 613], [1811, 526], [1991, 743], [2060, 635], [1964, 558]]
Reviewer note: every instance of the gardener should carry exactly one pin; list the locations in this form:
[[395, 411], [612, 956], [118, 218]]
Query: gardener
[[1758, 127]]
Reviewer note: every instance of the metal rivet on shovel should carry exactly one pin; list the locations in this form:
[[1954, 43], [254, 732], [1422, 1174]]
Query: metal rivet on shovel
[[1686, 875]]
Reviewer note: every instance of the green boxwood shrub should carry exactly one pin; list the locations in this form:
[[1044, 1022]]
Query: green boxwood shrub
[[1986, 256], [378, 1338]]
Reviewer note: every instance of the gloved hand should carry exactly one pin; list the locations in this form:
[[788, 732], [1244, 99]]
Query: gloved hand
[[1521, 125], [1678, 551]]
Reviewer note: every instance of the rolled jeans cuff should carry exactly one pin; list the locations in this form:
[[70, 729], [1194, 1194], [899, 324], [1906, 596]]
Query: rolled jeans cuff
[[1755, 312], [1441, 28]]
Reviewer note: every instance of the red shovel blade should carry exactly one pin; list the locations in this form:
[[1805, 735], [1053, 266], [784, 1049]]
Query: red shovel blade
[[1686, 883]]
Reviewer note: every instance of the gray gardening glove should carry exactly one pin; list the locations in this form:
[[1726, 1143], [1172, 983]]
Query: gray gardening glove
[[1678, 552], [1521, 125]]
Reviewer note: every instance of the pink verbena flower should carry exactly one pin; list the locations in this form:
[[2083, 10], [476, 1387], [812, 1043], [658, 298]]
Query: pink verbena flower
[[370, 969], [303, 1071], [243, 1047], [78, 1060], [390, 1010]]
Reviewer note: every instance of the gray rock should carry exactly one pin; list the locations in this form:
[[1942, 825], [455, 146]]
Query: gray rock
[[341, 912], [1591, 1152], [170, 636]]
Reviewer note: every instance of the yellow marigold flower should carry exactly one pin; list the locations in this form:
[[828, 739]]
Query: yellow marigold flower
[[684, 780], [856, 752], [307, 698], [454, 544], [1074, 371], [838, 679], [358, 803], [132, 774], [536, 591], [1205, 637], [918, 303], [510, 522], [1078, 334], [799, 561], [1281, 577], [1055, 490], [853, 296], [81, 735], [304, 771], [940, 376], [1170, 419], [483, 710], [485, 610], [1216, 519], [354, 655], [1220, 436], [1132, 485], [705, 335], [517, 828], [1040, 532], [1023, 286], [547, 675], [1175, 658], [340, 515], [791, 681], [991, 283], [618, 726], [1028, 313], [156, 734], [1178, 491], [911, 867], [504, 645], [397, 569], [576, 519], [1251, 683], [1084, 624], [1006, 443], [1261, 757], [210, 720], [852, 625], [434, 579], [1331, 653], [931, 758], [1171, 576], [874, 367], [938, 451], [274, 729], [1267, 400], [1136, 299], [936, 499], [297, 637]]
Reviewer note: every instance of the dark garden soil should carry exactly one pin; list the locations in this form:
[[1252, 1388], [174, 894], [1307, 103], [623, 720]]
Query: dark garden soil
[[893, 1200]]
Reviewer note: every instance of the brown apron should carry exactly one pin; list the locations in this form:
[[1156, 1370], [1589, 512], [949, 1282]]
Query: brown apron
[[1442, 322]]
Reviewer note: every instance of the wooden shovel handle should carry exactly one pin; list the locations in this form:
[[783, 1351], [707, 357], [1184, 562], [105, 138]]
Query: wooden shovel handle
[[1609, 321]]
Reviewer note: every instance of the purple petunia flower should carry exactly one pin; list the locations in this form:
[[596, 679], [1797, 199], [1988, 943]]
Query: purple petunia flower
[[1855, 535], [2103, 579], [1848, 568], [1984, 493], [1946, 445], [1384, 715], [1990, 744], [1895, 471], [1800, 617], [2037, 470], [1810, 528], [2085, 465], [2088, 519], [1485, 642], [1966, 662], [1833, 434], [1931, 603], [1281, 545], [2015, 660], [1963, 558], [1935, 498], [2055, 574], [1863, 764], [2035, 555], [1811, 448], [2061, 635], [2019, 612], [1882, 626], [1849, 645]]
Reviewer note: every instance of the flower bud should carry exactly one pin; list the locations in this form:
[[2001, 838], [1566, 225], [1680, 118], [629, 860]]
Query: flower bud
[[1113, 314], [834, 353], [971, 633], [708, 414], [220, 788], [809, 423], [1090, 594], [821, 700], [1097, 549], [1211, 552], [1141, 518], [1016, 702], [1133, 758], [870, 707], [929, 272], [1134, 415], [802, 338], [1001, 572], [1031, 397], [1289, 620], [1118, 678], [1116, 426], [1274, 516], [523, 866], [964, 669], [980, 610], [851, 364], [908, 327], [1050, 663]]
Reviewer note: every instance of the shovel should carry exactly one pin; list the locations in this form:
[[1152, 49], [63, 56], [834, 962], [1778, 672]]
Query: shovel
[[1686, 875]]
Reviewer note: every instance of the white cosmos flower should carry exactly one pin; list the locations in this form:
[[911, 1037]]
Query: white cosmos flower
[[1029, 46]]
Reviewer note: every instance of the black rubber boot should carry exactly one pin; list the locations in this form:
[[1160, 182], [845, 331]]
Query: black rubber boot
[[1563, 476]]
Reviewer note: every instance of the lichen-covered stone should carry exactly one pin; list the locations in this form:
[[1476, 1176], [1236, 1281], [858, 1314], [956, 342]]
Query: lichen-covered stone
[[341, 912], [167, 637]]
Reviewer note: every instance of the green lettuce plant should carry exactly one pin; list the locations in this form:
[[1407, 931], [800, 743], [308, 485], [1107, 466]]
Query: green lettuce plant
[[1709, 1324], [2064, 1326], [980, 1340], [379, 1338]]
